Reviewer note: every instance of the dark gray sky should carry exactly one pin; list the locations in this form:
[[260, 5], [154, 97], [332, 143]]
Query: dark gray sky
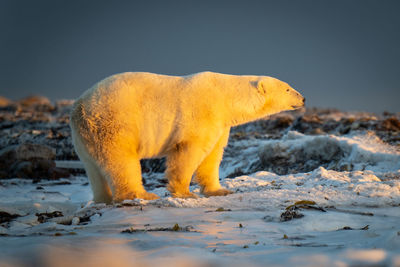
[[342, 54]]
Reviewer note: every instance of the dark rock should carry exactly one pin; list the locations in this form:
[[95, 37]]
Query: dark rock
[[23, 169], [34, 101], [24, 152], [307, 123], [7, 157], [57, 173], [64, 104], [283, 160], [34, 151], [290, 214], [30, 161], [153, 165], [283, 122], [40, 105], [6, 217], [4, 102], [3, 174], [44, 217], [44, 164], [390, 124], [387, 114], [236, 173]]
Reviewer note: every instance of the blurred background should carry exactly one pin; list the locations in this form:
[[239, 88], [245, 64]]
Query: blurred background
[[340, 54]]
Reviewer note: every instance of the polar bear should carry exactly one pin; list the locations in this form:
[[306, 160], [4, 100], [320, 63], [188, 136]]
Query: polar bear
[[135, 115]]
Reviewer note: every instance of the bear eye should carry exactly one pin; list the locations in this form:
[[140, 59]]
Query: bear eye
[[287, 90]]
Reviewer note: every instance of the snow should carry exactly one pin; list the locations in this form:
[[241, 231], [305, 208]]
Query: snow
[[362, 151], [351, 219]]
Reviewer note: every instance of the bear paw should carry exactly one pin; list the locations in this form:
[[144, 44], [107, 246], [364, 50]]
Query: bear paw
[[148, 196], [142, 195], [185, 195], [218, 192]]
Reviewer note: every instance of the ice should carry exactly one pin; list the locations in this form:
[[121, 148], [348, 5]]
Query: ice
[[353, 179]]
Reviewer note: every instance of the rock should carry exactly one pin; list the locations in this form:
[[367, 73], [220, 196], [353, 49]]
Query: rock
[[64, 103], [153, 165], [290, 215], [37, 103], [4, 102], [307, 123], [346, 167], [31, 101], [279, 122], [25, 152], [44, 164], [23, 169], [7, 157], [3, 174], [30, 161], [6, 217], [34, 151], [282, 159], [57, 173], [390, 124]]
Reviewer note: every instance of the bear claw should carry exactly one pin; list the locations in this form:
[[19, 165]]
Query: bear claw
[[148, 196]]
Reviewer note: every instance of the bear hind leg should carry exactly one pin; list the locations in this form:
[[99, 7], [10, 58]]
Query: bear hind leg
[[100, 188], [98, 182]]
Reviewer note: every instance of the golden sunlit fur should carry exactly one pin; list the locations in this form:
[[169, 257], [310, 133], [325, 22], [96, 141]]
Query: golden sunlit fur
[[131, 116]]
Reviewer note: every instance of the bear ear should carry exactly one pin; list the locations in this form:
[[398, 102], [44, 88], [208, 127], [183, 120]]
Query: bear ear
[[259, 86]]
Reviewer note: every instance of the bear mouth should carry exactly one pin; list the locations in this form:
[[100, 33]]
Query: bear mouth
[[297, 107]]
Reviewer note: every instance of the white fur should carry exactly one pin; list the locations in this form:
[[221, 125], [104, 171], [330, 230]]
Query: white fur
[[131, 116]]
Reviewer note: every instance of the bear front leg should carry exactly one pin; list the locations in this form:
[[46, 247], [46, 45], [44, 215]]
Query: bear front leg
[[125, 179], [207, 174], [182, 161]]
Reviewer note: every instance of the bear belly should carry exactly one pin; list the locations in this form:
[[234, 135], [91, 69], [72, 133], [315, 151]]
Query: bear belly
[[156, 140]]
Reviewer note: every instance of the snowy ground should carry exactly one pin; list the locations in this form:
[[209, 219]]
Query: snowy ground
[[346, 212]]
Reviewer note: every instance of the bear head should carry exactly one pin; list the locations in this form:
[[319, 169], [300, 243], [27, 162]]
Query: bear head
[[278, 95]]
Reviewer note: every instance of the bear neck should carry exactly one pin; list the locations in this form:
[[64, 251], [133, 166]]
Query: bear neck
[[241, 101], [244, 102], [245, 113]]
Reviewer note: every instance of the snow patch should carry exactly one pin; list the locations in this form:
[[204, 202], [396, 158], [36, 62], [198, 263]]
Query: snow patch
[[354, 152]]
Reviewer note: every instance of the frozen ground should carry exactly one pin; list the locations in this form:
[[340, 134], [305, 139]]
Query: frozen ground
[[336, 203]]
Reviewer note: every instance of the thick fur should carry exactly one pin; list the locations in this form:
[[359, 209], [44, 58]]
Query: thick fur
[[131, 116]]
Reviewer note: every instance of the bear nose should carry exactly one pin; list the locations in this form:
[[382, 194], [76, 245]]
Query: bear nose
[[304, 100]]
